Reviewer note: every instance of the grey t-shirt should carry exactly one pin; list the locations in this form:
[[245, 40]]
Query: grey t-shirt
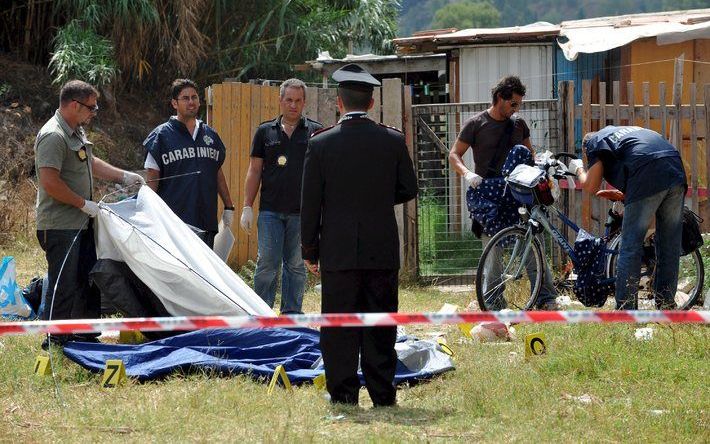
[[68, 151], [483, 133]]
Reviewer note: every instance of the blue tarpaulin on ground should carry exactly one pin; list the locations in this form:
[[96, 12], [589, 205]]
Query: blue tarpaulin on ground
[[246, 351]]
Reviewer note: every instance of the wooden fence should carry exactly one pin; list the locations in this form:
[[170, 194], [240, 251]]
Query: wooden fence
[[686, 125], [235, 110]]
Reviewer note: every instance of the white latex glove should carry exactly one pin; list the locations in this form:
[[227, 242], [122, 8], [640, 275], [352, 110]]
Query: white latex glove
[[90, 207], [247, 219], [130, 178], [574, 165], [228, 217], [473, 179]]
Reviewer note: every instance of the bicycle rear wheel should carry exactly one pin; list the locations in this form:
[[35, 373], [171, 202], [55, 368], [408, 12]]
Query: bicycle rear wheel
[[510, 271], [691, 276]]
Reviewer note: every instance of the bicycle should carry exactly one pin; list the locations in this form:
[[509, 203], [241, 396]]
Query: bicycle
[[513, 259]]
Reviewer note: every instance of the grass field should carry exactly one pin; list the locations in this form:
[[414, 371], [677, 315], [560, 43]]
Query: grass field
[[597, 384]]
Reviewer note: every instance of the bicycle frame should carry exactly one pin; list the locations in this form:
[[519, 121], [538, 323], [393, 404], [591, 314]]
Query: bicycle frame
[[538, 215]]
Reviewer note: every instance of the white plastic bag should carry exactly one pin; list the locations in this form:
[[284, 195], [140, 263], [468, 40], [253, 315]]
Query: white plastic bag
[[526, 176], [223, 242], [12, 304]]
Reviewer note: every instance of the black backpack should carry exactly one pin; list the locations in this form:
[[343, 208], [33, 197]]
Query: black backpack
[[691, 239], [33, 293]]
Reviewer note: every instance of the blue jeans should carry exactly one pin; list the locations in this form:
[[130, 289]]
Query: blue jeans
[[667, 206], [279, 239]]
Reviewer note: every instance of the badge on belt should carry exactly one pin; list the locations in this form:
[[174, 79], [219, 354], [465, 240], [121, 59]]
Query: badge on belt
[[82, 154], [281, 161]]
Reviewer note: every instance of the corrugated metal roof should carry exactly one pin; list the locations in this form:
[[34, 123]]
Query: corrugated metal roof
[[429, 41], [324, 57], [381, 64], [687, 17], [589, 35], [605, 33]]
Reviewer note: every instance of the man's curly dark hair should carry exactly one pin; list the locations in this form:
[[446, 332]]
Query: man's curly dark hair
[[506, 87]]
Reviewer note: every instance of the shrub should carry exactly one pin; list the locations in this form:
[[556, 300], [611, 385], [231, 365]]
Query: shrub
[[80, 53]]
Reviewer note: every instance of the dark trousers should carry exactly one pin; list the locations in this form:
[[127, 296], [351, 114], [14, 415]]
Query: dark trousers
[[206, 236], [209, 238], [364, 291], [74, 298]]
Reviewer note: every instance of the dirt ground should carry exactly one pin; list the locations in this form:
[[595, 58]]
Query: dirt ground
[[27, 99]]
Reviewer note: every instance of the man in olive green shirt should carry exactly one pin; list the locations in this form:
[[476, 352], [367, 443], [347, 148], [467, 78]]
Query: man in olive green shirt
[[65, 168]]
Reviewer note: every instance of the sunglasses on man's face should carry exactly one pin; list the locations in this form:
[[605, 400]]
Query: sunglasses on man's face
[[94, 109], [514, 104], [189, 98]]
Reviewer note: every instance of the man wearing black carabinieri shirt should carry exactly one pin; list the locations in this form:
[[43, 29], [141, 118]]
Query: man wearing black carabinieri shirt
[[185, 145], [276, 166]]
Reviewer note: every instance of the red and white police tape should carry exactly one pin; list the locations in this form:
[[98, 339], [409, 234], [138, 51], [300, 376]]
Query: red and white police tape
[[348, 320]]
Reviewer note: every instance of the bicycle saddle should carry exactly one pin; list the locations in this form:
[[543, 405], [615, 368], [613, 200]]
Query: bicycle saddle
[[612, 195]]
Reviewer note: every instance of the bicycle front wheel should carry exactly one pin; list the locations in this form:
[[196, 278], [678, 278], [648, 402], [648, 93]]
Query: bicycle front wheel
[[510, 271]]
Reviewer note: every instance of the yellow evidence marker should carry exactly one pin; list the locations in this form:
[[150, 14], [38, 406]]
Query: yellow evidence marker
[[466, 329], [42, 367], [319, 381], [131, 337], [114, 373], [279, 372], [535, 344], [445, 347]]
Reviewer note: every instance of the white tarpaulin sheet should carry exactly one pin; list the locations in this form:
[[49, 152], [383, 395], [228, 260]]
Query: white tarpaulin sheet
[[583, 36], [182, 271]]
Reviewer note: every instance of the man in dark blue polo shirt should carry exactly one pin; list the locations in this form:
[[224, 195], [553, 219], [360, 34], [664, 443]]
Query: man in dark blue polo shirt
[[649, 171], [276, 166], [184, 145]]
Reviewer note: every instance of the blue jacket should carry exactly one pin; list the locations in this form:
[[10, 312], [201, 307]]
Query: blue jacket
[[636, 160]]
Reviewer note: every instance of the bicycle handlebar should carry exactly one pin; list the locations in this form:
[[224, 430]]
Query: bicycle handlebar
[[568, 155]]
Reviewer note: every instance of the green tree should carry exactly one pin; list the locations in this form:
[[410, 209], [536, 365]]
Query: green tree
[[670, 5], [416, 15], [153, 41], [284, 32], [467, 14]]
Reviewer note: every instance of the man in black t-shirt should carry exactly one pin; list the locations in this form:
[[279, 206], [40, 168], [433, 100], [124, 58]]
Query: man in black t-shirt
[[276, 167], [490, 135]]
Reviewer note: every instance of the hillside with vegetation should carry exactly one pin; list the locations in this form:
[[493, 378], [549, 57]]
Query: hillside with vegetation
[[417, 15], [132, 49]]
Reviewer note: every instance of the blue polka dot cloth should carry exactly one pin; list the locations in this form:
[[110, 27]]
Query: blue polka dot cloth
[[591, 287], [491, 204]]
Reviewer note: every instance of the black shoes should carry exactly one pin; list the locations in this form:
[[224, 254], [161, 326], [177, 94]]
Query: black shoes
[[61, 340], [549, 306], [56, 340]]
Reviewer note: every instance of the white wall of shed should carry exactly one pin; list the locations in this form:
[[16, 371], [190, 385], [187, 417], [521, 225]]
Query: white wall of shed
[[480, 68]]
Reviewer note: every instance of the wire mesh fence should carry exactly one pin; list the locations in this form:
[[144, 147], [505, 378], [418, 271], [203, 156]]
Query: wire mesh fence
[[447, 249]]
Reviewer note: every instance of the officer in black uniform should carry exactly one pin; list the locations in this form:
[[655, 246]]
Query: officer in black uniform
[[354, 174]]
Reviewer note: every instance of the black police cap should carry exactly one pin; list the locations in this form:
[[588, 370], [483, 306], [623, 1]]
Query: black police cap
[[355, 77]]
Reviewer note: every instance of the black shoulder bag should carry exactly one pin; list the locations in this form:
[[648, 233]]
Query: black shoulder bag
[[691, 238]]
